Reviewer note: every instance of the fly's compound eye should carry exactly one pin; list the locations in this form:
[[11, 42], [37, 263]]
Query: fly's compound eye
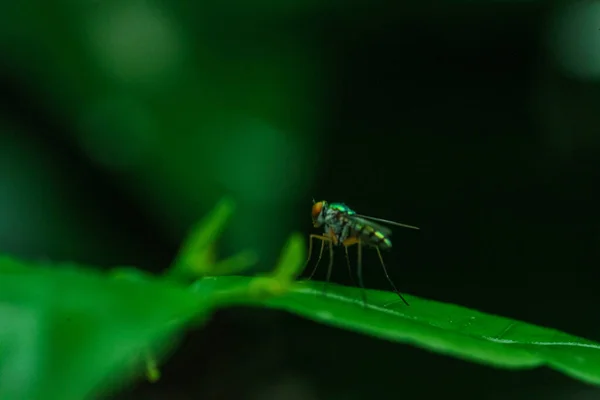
[[316, 209]]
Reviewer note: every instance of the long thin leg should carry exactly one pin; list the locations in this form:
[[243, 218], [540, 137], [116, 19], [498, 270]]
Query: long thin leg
[[388, 277], [310, 249], [323, 239], [359, 274], [349, 267], [364, 298], [329, 267]]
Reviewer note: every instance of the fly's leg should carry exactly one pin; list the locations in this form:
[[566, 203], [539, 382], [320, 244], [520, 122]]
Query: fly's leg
[[323, 239], [329, 267], [352, 279], [359, 275], [349, 267], [388, 277], [351, 242]]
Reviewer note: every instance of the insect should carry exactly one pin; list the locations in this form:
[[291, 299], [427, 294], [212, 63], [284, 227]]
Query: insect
[[344, 227]]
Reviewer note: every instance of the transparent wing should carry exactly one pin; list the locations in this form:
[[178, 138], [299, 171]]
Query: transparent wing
[[383, 221]]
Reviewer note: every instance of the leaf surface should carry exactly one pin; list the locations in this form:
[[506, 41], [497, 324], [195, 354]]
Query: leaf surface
[[445, 328], [66, 331]]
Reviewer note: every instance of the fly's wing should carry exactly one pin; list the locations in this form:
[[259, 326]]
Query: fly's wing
[[386, 221]]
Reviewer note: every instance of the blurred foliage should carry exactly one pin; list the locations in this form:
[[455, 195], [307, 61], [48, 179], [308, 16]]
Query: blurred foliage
[[68, 331], [197, 255], [164, 95], [122, 122], [117, 320]]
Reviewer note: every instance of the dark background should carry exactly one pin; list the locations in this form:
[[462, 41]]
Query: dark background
[[122, 123]]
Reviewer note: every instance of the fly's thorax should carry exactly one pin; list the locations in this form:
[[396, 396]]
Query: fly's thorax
[[331, 217], [336, 220], [336, 231], [341, 228]]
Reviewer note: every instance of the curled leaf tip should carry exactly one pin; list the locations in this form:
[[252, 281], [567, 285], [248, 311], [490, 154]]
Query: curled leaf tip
[[236, 264], [153, 375], [291, 261], [152, 371], [198, 248]]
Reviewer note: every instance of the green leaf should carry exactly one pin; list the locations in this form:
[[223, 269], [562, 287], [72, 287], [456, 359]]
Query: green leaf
[[235, 264], [292, 260], [279, 281], [67, 331], [440, 327], [196, 256]]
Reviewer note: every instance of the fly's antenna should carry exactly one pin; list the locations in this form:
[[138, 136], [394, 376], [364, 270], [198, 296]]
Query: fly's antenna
[[385, 221]]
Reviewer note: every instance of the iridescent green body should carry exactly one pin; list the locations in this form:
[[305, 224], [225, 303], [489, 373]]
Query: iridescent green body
[[344, 223], [344, 227]]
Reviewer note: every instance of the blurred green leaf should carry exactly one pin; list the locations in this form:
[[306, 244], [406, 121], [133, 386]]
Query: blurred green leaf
[[235, 264], [152, 371], [288, 268], [440, 327], [197, 254], [292, 260], [279, 281], [65, 331]]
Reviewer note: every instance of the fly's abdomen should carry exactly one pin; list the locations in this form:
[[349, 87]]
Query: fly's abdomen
[[371, 236]]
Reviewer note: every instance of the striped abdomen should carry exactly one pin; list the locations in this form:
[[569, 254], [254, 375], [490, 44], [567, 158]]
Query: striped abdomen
[[371, 234]]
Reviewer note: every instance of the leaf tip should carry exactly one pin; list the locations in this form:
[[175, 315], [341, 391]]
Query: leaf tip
[[291, 260]]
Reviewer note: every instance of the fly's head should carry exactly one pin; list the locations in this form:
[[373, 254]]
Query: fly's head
[[320, 211]]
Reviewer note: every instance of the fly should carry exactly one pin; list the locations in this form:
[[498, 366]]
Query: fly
[[344, 227]]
